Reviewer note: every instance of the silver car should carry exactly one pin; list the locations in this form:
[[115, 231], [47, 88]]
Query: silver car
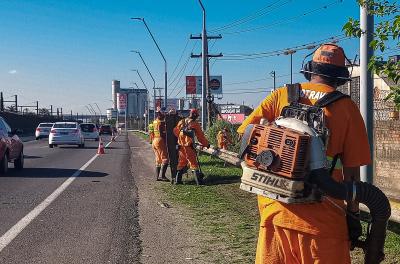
[[43, 130], [89, 131], [66, 133]]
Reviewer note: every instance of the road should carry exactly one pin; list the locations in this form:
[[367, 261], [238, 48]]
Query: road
[[47, 216]]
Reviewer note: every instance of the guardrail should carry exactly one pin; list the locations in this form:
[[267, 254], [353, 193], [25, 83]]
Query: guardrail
[[233, 159]]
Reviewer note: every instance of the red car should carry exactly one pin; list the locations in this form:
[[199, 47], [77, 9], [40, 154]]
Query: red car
[[11, 148]]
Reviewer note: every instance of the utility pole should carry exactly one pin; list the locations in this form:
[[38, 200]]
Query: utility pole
[[367, 85], [1, 102], [206, 97], [58, 113], [16, 103], [37, 107], [61, 114], [290, 52], [51, 110], [273, 75]]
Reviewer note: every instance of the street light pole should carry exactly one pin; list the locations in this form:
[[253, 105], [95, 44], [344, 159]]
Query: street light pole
[[273, 75], [147, 102], [154, 82], [98, 109], [162, 55]]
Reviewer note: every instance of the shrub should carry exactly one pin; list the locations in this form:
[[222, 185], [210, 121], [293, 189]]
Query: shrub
[[212, 132]]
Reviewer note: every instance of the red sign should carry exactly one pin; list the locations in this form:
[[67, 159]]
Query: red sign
[[191, 84], [233, 118]]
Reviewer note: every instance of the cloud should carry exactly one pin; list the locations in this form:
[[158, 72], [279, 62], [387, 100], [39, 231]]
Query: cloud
[[12, 71]]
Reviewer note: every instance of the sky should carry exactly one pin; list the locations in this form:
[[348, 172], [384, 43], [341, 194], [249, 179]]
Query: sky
[[65, 53]]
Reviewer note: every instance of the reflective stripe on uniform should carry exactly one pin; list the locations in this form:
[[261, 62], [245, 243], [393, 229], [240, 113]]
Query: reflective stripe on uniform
[[338, 165]]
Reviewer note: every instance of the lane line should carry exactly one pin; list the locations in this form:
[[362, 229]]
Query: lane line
[[13, 232]]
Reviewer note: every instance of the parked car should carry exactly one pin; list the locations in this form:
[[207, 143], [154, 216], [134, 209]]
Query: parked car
[[89, 131], [66, 133], [11, 148], [43, 130], [105, 129]]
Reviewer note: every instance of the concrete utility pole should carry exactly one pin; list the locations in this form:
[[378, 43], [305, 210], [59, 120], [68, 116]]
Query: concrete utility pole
[[206, 97], [367, 85], [273, 75], [51, 110], [162, 55], [37, 107]]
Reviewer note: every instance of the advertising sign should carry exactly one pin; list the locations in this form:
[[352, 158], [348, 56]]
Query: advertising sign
[[193, 84], [121, 103], [230, 109], [233, 118]]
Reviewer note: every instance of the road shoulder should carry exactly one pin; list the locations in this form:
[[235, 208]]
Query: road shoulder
[[167, 234]]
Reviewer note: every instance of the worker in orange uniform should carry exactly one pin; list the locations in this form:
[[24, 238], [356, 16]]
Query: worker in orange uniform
[[186, 131], [223, 139], [159, 145], [316, 233], [151, 133]]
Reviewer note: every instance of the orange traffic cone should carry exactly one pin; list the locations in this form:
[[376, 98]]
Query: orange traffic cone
[[100, 149]]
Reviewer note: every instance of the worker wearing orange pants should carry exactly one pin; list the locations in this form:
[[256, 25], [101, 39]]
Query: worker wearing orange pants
[[159, 146], [317, 232], [223, 139], [186, 130]]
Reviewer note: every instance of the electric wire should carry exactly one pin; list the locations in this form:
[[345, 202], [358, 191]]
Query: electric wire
[[285, 20], [180, 58], [261, 12]]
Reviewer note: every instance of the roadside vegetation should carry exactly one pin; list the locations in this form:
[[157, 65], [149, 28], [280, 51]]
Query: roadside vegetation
[[227, 218]]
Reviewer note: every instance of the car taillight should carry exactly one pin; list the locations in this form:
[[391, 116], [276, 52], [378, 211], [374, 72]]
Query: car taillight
[[53, 131], [38, 129]]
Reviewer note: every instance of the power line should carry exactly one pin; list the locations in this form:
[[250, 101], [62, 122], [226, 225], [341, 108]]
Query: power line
[[252, 56], [180, 58], [177, 77], [261, 12], [285, 20]]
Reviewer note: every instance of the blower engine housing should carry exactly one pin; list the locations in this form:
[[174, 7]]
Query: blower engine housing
[[278, 158]]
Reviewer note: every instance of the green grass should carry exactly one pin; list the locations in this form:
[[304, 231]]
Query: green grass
[[144, 136], [228, 217]]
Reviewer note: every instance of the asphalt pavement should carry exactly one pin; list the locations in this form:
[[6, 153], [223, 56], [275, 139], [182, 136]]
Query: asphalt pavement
[[70, 206]]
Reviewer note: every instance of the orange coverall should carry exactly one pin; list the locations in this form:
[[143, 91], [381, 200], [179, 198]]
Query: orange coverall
[[311, 233], [187, 152], [223, 140], [158, 143]]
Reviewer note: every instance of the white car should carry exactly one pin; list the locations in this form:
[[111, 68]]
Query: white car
[[89, 131], [66, 133], [43, 130]]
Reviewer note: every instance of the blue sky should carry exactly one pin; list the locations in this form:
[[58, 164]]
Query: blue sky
[[66, 53]]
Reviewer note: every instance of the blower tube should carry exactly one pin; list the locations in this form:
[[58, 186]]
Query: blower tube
[[367, 194]]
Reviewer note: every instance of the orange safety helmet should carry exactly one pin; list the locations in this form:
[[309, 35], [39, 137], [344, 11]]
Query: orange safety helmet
[[194, 113], [329, 60]]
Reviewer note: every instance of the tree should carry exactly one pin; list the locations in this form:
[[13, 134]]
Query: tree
[[386, 38]]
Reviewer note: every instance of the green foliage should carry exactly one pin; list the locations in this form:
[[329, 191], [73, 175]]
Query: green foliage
[[218, 125], [386, 31]]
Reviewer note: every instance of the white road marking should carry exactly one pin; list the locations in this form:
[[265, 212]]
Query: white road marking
[[9, 236]]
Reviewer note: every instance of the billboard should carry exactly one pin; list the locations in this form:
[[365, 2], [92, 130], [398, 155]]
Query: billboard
[[121, 103], [233, 118], [172, 103], [193, 84]]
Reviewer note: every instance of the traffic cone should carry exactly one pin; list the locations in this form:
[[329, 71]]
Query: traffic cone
[[100, 149]]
